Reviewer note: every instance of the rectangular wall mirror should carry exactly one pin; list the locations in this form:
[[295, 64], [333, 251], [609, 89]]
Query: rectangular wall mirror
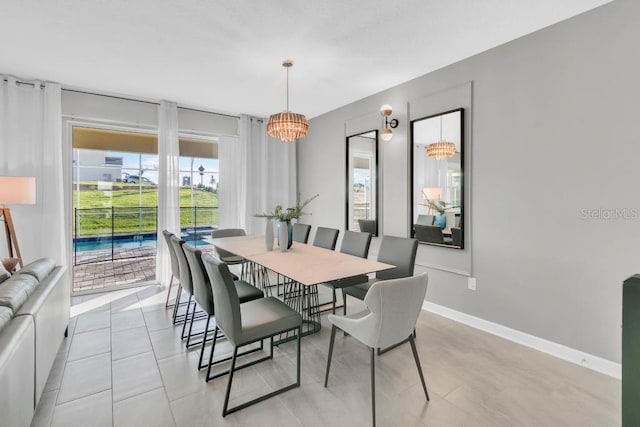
[[362, 182], [437, 170]]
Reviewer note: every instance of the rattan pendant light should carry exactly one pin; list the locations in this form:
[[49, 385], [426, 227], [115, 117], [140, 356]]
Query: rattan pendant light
[[287, 125]]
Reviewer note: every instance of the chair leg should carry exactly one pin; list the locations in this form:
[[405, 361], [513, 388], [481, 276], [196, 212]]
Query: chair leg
[[166, 304], [204, 342], [333, 338], [334, 301], [186, 317], [213, 348], [344, 303], [373, 385], [298, 367], [344, 308], [231, 369], [193, 316], [417, 359], [177, 303]]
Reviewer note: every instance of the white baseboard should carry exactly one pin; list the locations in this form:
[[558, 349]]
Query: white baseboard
[[569, 354]]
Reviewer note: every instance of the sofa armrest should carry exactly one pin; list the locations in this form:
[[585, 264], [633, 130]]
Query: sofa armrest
[[17, 369], [49, 306]]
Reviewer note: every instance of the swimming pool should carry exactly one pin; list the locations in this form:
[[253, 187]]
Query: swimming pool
[[119, 242]]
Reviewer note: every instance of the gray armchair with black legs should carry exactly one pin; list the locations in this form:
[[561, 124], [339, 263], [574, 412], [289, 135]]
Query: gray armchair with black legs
[[392, 310], [247, 323], [356, 244], [301, 232], [204, 295], [326, 238]]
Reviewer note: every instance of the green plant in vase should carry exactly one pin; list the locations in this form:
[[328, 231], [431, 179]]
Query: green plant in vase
[[284, 217]]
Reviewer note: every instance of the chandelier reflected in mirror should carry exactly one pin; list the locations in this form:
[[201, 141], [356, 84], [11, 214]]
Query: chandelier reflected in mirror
[[441, 149]]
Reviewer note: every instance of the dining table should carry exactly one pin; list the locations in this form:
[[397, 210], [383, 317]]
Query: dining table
[[303, 268]]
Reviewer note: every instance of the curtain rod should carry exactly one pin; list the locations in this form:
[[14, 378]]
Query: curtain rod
[[147, 102], [20, 82]]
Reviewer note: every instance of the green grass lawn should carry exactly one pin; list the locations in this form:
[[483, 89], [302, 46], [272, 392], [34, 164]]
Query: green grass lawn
[[134, 208]]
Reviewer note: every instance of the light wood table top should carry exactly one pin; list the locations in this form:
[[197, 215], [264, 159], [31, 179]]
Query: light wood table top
[[306, 264]]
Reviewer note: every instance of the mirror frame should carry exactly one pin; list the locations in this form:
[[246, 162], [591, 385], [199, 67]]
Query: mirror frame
[[462, 177], [377, 181]]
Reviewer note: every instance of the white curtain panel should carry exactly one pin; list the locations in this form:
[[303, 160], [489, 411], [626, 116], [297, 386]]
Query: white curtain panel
[[232, 169], [256, 173], [168, 185], [31, 145]]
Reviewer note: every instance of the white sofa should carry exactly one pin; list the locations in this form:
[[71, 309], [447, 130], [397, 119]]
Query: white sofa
[[34, 315]]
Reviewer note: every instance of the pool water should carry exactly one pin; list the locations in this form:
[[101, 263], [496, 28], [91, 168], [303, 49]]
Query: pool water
[[126, 243]]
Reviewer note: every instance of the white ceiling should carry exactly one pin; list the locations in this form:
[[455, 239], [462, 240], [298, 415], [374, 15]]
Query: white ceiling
[[226, 55]]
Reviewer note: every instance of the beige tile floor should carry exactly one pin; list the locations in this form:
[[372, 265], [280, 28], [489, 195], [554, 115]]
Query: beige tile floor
[[124, 365]]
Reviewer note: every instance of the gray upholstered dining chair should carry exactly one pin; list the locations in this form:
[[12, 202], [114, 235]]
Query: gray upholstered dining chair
[[301, 232], [429, 233], [368, 226], [203, 294], [425, 219], [392, 310], [326, 238], [247, 323], [356, 244], [227, 256], [398, 251], [186, 282], [175, 274], [456, 235]]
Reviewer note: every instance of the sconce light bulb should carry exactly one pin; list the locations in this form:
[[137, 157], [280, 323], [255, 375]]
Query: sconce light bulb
[[386, 134], [386, 110]]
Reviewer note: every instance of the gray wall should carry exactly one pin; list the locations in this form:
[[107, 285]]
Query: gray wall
[[553, 129]]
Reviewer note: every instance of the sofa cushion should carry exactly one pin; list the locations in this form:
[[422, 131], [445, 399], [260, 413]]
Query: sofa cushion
[[39, 268], [15, 291], [6, 314]]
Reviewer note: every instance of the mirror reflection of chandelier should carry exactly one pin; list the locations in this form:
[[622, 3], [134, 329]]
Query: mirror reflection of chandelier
[[441, 149]]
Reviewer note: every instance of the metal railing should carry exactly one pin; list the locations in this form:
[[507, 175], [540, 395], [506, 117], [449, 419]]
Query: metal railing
[[107, 234]]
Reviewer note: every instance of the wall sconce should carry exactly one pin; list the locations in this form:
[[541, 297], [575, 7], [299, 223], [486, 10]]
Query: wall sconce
[[387, 133]]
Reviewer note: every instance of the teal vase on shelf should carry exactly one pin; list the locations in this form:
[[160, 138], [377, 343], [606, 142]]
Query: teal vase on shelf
[[440, 221]]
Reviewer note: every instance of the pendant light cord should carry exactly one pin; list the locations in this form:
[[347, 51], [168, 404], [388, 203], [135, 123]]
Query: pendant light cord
[[287, 88]]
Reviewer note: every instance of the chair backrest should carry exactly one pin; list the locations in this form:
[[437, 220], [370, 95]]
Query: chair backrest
[[356, 244], [429, 233], [185, 271], [175, 267], [398, 251], [201, 285], [326, 238], [395, 306], [456, 236], [368, 226], [301, 232], [225, 297], [425, 219], [226, 232]]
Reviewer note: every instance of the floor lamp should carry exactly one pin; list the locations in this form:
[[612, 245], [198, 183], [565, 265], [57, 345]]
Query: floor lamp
[[15, 190]]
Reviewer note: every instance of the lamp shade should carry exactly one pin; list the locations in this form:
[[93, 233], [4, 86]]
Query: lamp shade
[[17, 190], [432, 193]]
